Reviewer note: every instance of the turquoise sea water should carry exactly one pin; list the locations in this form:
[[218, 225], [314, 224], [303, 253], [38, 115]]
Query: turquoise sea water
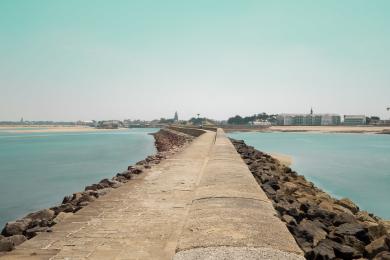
[[356, 166], [38, 169]]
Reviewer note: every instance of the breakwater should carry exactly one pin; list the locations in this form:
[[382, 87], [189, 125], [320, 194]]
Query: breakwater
[[202, 198], [167, 142], [200, 202], [324, 227]]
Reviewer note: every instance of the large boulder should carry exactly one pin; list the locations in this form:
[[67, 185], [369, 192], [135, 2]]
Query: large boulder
[[375, 230], [364, 216], [343, 218], [352, 229], [6, 245], [289, 220], [16, 227], [44, 214], [322, 251], [328, 249], [314, 231], [379, 245], [32, 232], [9, 243], [347, 203], [68, 207], [16, 239], [289, 187]]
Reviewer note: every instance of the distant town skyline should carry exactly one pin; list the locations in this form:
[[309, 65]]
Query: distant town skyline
[[81, 60]]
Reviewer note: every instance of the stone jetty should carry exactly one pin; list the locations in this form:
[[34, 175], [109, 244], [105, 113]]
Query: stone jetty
[[202, 196], [201, 202]]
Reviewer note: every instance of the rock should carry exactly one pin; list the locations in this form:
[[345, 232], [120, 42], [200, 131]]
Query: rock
[[328, 249], [66, 199], [105, 183], [6, 245], [1, 237], [352, 229], [289, 220], [83, 203], [364, 216], [85, 198], [44, 214], [325, 216], [344, 251], [312, 230], [353, 242], [343, 218], [61, 217], [340, 209], [16, 239], [347, 203], [32, 232], [326, 205], [268, 190], [377, 246], [80, 197], [103, 192], [93, 187], [322, 251], [116, 184], [290, 187], [9, 243], [386, 224], [385, 255], [274, 184], [64, 208], [16, 227], [286, 208], [375, 230]]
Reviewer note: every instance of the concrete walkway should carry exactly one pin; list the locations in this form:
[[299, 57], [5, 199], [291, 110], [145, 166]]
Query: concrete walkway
[[230, 216], [203, 203]]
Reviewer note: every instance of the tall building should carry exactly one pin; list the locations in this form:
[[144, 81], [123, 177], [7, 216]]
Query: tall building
[[176, 117]]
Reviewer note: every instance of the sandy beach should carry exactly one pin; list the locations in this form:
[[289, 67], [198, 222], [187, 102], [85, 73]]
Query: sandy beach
[[321, 129], [332, 129], [283, 158], [52, 129]]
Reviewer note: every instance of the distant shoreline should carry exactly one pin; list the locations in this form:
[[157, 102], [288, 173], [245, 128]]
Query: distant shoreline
[[52, 129], [319, 129]]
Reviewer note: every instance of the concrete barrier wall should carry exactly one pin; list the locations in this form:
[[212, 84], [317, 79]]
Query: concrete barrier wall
[[230, 216], [187, 130]]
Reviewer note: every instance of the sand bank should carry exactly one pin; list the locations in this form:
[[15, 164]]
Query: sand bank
[[53, 129], [284, 159], [331, 129]]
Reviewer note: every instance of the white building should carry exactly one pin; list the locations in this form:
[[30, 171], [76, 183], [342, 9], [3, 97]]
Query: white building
[[261, 123], [354, 119]]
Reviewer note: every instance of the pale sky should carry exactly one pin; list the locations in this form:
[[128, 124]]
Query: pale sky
[[91, 59]]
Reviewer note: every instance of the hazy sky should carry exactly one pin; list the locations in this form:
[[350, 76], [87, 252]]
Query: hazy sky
[[90, 59]]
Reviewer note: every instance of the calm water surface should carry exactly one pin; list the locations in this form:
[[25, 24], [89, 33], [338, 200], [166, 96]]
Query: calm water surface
[[356, 166], [38, 169]]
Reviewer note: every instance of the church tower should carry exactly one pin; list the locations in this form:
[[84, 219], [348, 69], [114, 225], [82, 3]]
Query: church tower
[[176, 117]]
